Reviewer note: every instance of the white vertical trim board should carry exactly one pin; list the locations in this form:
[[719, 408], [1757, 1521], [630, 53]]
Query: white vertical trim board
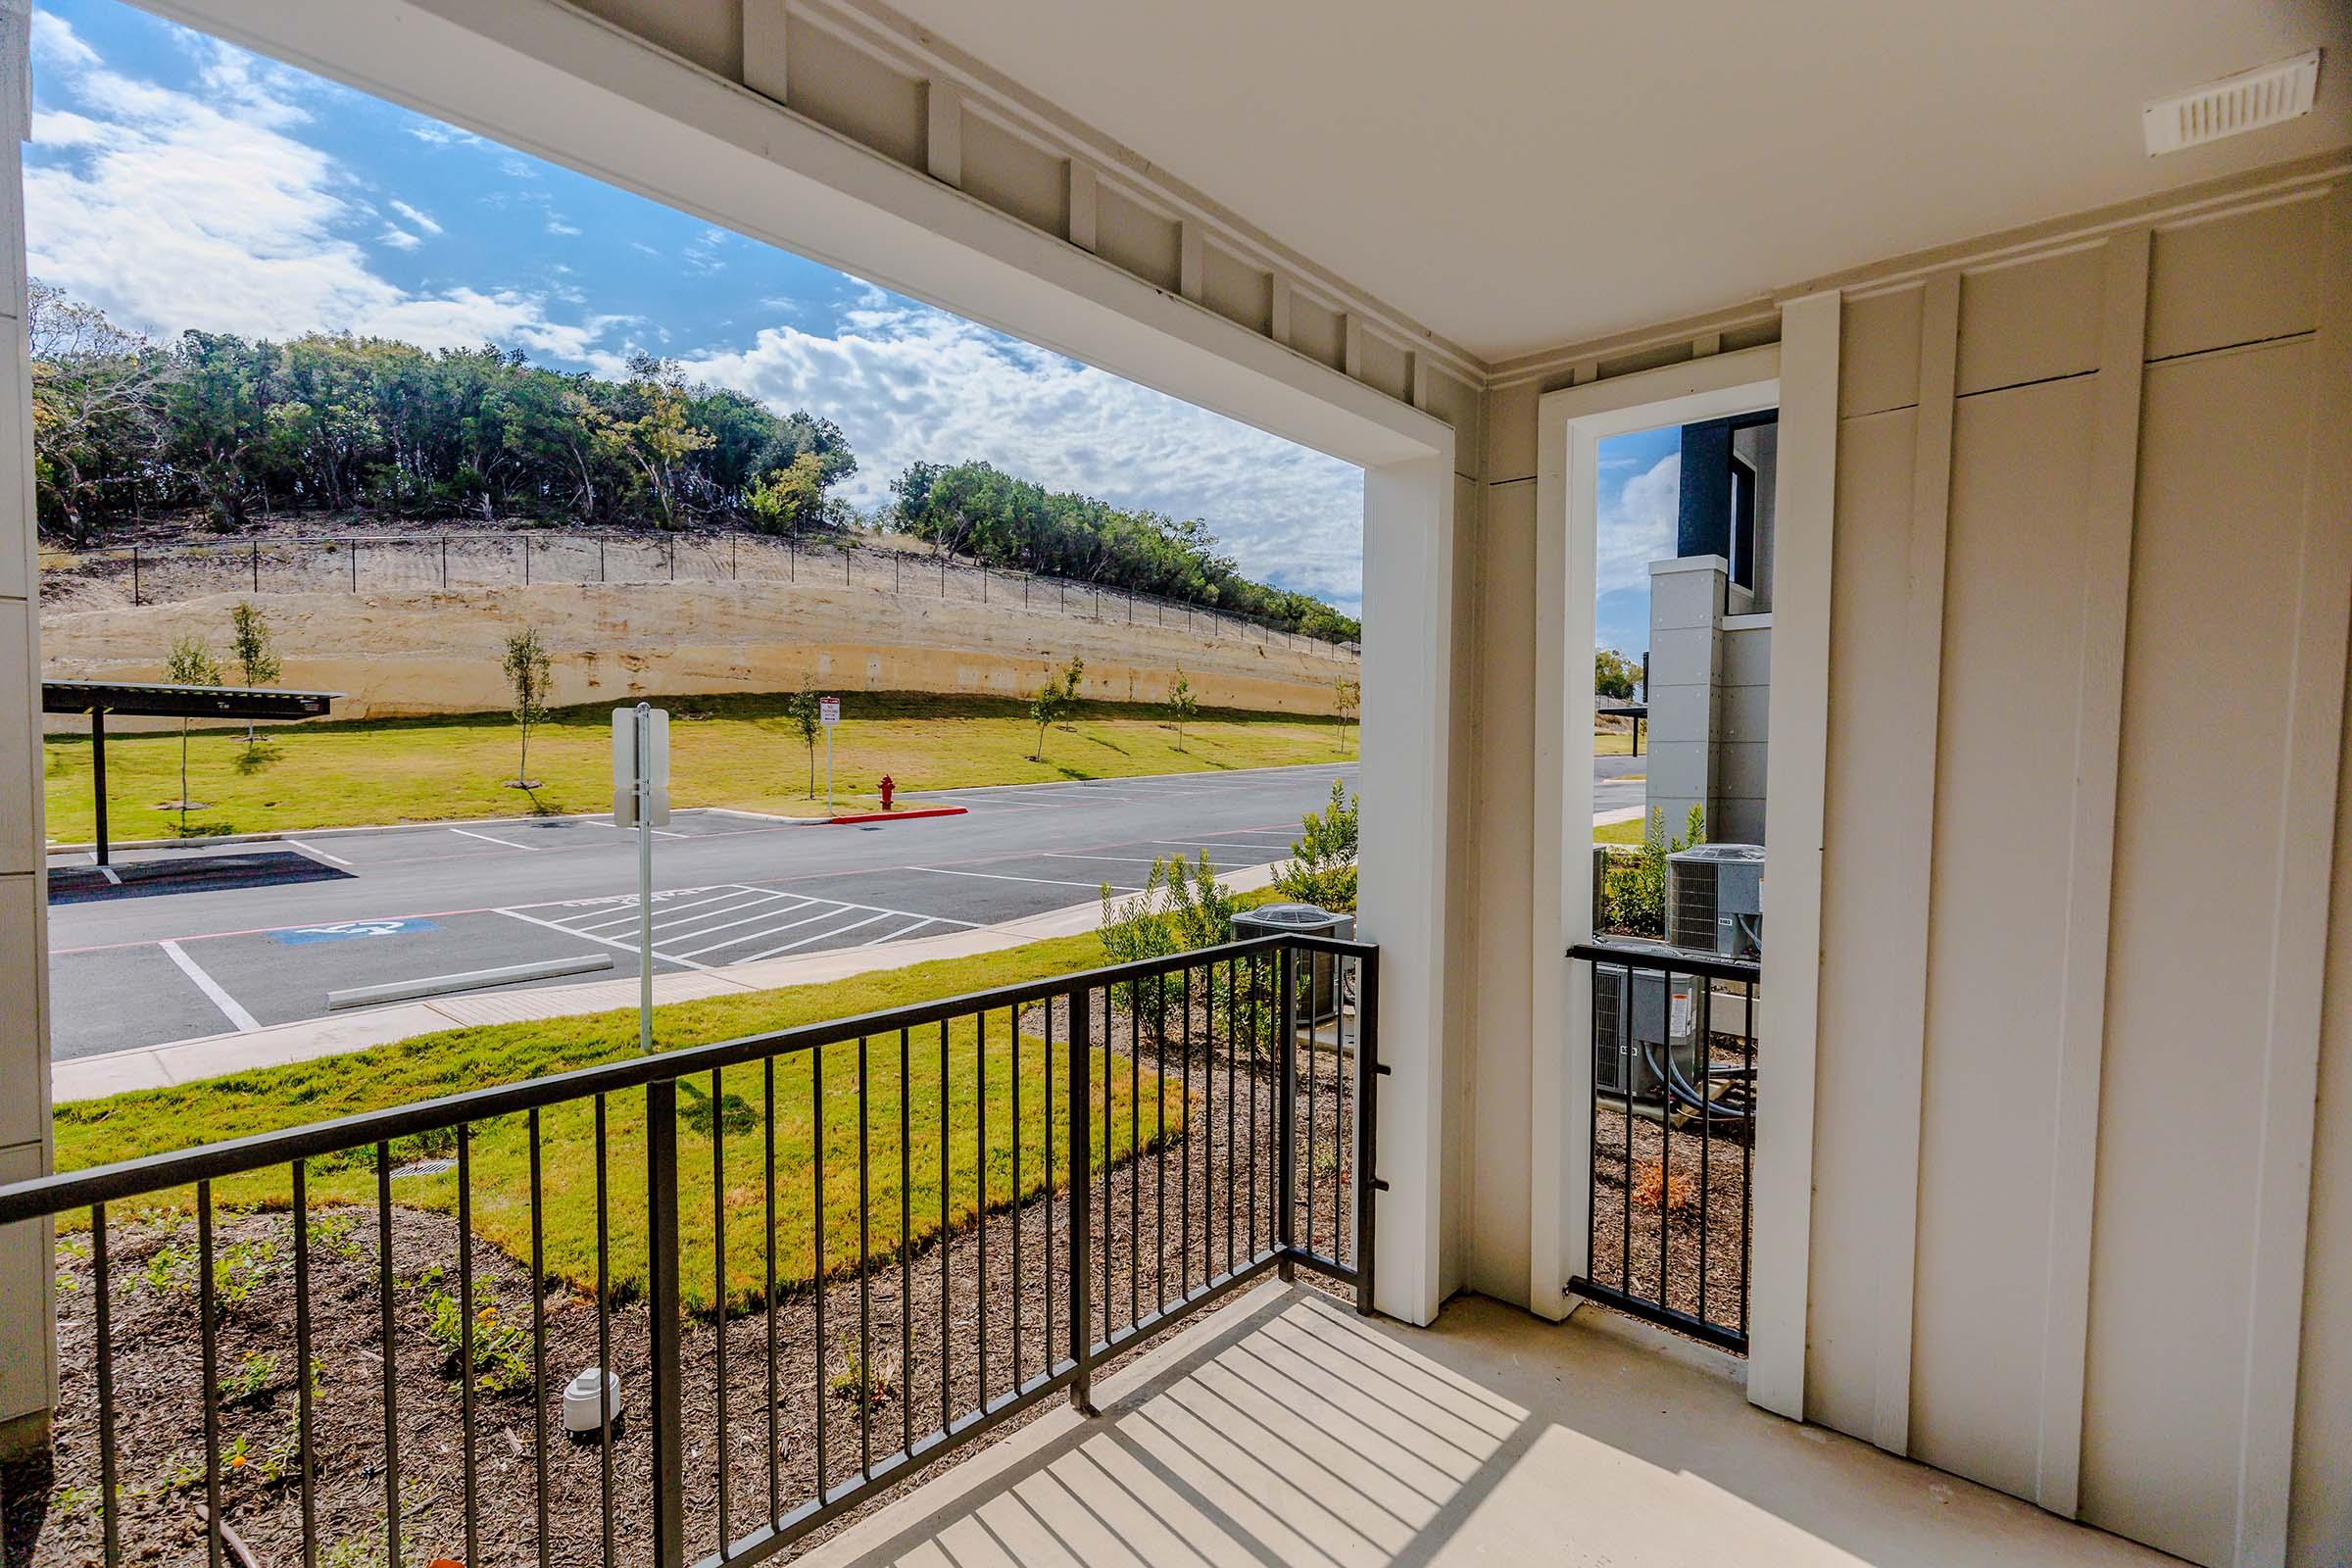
[[1407, 750], [2090, 871], [1570, 425], [1796, 787], [1911, 788], [2299, 927]]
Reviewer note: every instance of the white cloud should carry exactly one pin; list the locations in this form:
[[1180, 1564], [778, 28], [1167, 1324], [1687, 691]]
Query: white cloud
[[172, 210], [204, 209], [1638, 527], [56, 43], [906, 382]]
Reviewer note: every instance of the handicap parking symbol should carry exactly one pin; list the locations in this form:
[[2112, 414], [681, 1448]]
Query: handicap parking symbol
[[348, 930]]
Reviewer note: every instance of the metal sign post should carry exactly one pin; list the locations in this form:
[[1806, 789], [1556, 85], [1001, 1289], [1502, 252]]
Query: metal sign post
[[828, 709], [641, 800]]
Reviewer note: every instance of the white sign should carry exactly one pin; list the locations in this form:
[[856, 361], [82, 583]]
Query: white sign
[[828, 709], [625, 767]]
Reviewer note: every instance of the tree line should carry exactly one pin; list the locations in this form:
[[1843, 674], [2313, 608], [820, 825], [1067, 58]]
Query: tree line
[[234, 429], [976, 511]]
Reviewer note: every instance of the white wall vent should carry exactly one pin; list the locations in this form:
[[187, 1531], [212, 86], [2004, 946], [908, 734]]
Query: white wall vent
[[2231, 106]]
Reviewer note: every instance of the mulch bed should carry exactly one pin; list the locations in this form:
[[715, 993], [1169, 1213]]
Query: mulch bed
[[1706, 1221], [1168, 1224]]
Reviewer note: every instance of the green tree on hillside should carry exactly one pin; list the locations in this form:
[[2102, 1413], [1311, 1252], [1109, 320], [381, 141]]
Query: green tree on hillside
[[327, 422], [975, 511], [529, 672]]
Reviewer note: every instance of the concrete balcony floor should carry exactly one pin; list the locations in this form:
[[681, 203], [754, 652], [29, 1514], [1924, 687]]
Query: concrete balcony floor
[[1283, 1428]]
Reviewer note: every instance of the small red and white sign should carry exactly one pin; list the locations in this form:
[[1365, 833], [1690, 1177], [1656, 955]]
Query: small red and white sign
[[828, 710]]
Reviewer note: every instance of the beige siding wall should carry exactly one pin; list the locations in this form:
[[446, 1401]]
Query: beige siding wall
[[2088, 616], [2113, 506]]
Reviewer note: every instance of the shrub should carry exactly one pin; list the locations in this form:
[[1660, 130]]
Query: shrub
[[1633, 889], [1322, 869]]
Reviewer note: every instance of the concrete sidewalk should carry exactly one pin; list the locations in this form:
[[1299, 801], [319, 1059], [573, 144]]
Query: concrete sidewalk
[[185, 1061]]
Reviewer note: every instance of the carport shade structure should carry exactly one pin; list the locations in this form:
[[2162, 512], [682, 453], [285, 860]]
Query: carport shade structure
[[1636, 711], [99, 697]]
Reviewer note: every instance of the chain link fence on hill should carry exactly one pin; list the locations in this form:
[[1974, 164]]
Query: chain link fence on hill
[[160, 573]]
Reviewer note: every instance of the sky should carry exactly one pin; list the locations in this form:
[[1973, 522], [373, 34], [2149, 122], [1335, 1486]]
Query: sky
[[176, 181], [1639, 484]]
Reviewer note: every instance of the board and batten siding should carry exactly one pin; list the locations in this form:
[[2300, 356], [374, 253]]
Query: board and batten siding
[[2093, 563], [2082, 1169]]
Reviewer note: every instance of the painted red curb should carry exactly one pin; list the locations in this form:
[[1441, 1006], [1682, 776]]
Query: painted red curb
[[900, 817]]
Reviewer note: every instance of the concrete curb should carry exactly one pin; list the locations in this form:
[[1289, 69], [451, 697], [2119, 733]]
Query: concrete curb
[[913, 814], [186, 1062]]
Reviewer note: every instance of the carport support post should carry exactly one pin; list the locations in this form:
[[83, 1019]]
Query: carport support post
[[98, 776], [645, 878]]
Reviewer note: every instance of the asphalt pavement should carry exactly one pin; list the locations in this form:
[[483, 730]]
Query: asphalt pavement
[[187, 942]]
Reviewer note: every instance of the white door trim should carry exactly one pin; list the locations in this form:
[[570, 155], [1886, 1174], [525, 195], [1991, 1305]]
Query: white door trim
[[1570, 424]]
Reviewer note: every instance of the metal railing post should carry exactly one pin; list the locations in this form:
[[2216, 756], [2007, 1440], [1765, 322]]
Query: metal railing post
[[1286, 1110], [1368, 1071], [134, 574], [1081, 1205], [661, 1300]]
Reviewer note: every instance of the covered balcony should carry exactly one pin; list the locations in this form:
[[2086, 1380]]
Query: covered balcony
[[2006, 1218]]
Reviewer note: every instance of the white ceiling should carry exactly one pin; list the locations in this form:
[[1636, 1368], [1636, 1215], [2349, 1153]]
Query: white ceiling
[[1518, 174]]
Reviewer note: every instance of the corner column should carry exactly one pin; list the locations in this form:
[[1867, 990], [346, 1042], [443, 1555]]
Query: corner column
[[1409, 740], [28, 1355]]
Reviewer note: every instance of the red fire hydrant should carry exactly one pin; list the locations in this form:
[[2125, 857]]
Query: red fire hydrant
[[887, 787]]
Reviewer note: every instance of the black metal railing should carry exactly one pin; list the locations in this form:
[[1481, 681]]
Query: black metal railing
[[1671, 1137], [828, 1284]]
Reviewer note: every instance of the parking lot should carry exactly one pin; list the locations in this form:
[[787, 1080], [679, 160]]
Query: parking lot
[[183, 943]]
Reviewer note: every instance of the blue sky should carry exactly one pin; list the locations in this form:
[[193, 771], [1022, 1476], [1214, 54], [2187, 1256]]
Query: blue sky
[[1640, 485], [178, 183]]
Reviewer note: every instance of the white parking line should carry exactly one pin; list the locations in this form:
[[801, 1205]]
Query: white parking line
[[1122, 859], [903, 931], [527, 848], [625, 947], [826, 913], [697, 918], [765, 912], [837, 931], [313, 849], [998, 876], [239, 1018], [625, 913]]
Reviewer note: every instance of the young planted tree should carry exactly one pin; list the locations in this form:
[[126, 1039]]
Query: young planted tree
[[189, 663], [806, 709], [1347, 696], [1055, 703], [249, 645], [530, 672], [1183, 707]]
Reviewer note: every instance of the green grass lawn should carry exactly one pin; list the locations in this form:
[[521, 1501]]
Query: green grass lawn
[[123, 1126], [1619, 833], [724, 751]]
